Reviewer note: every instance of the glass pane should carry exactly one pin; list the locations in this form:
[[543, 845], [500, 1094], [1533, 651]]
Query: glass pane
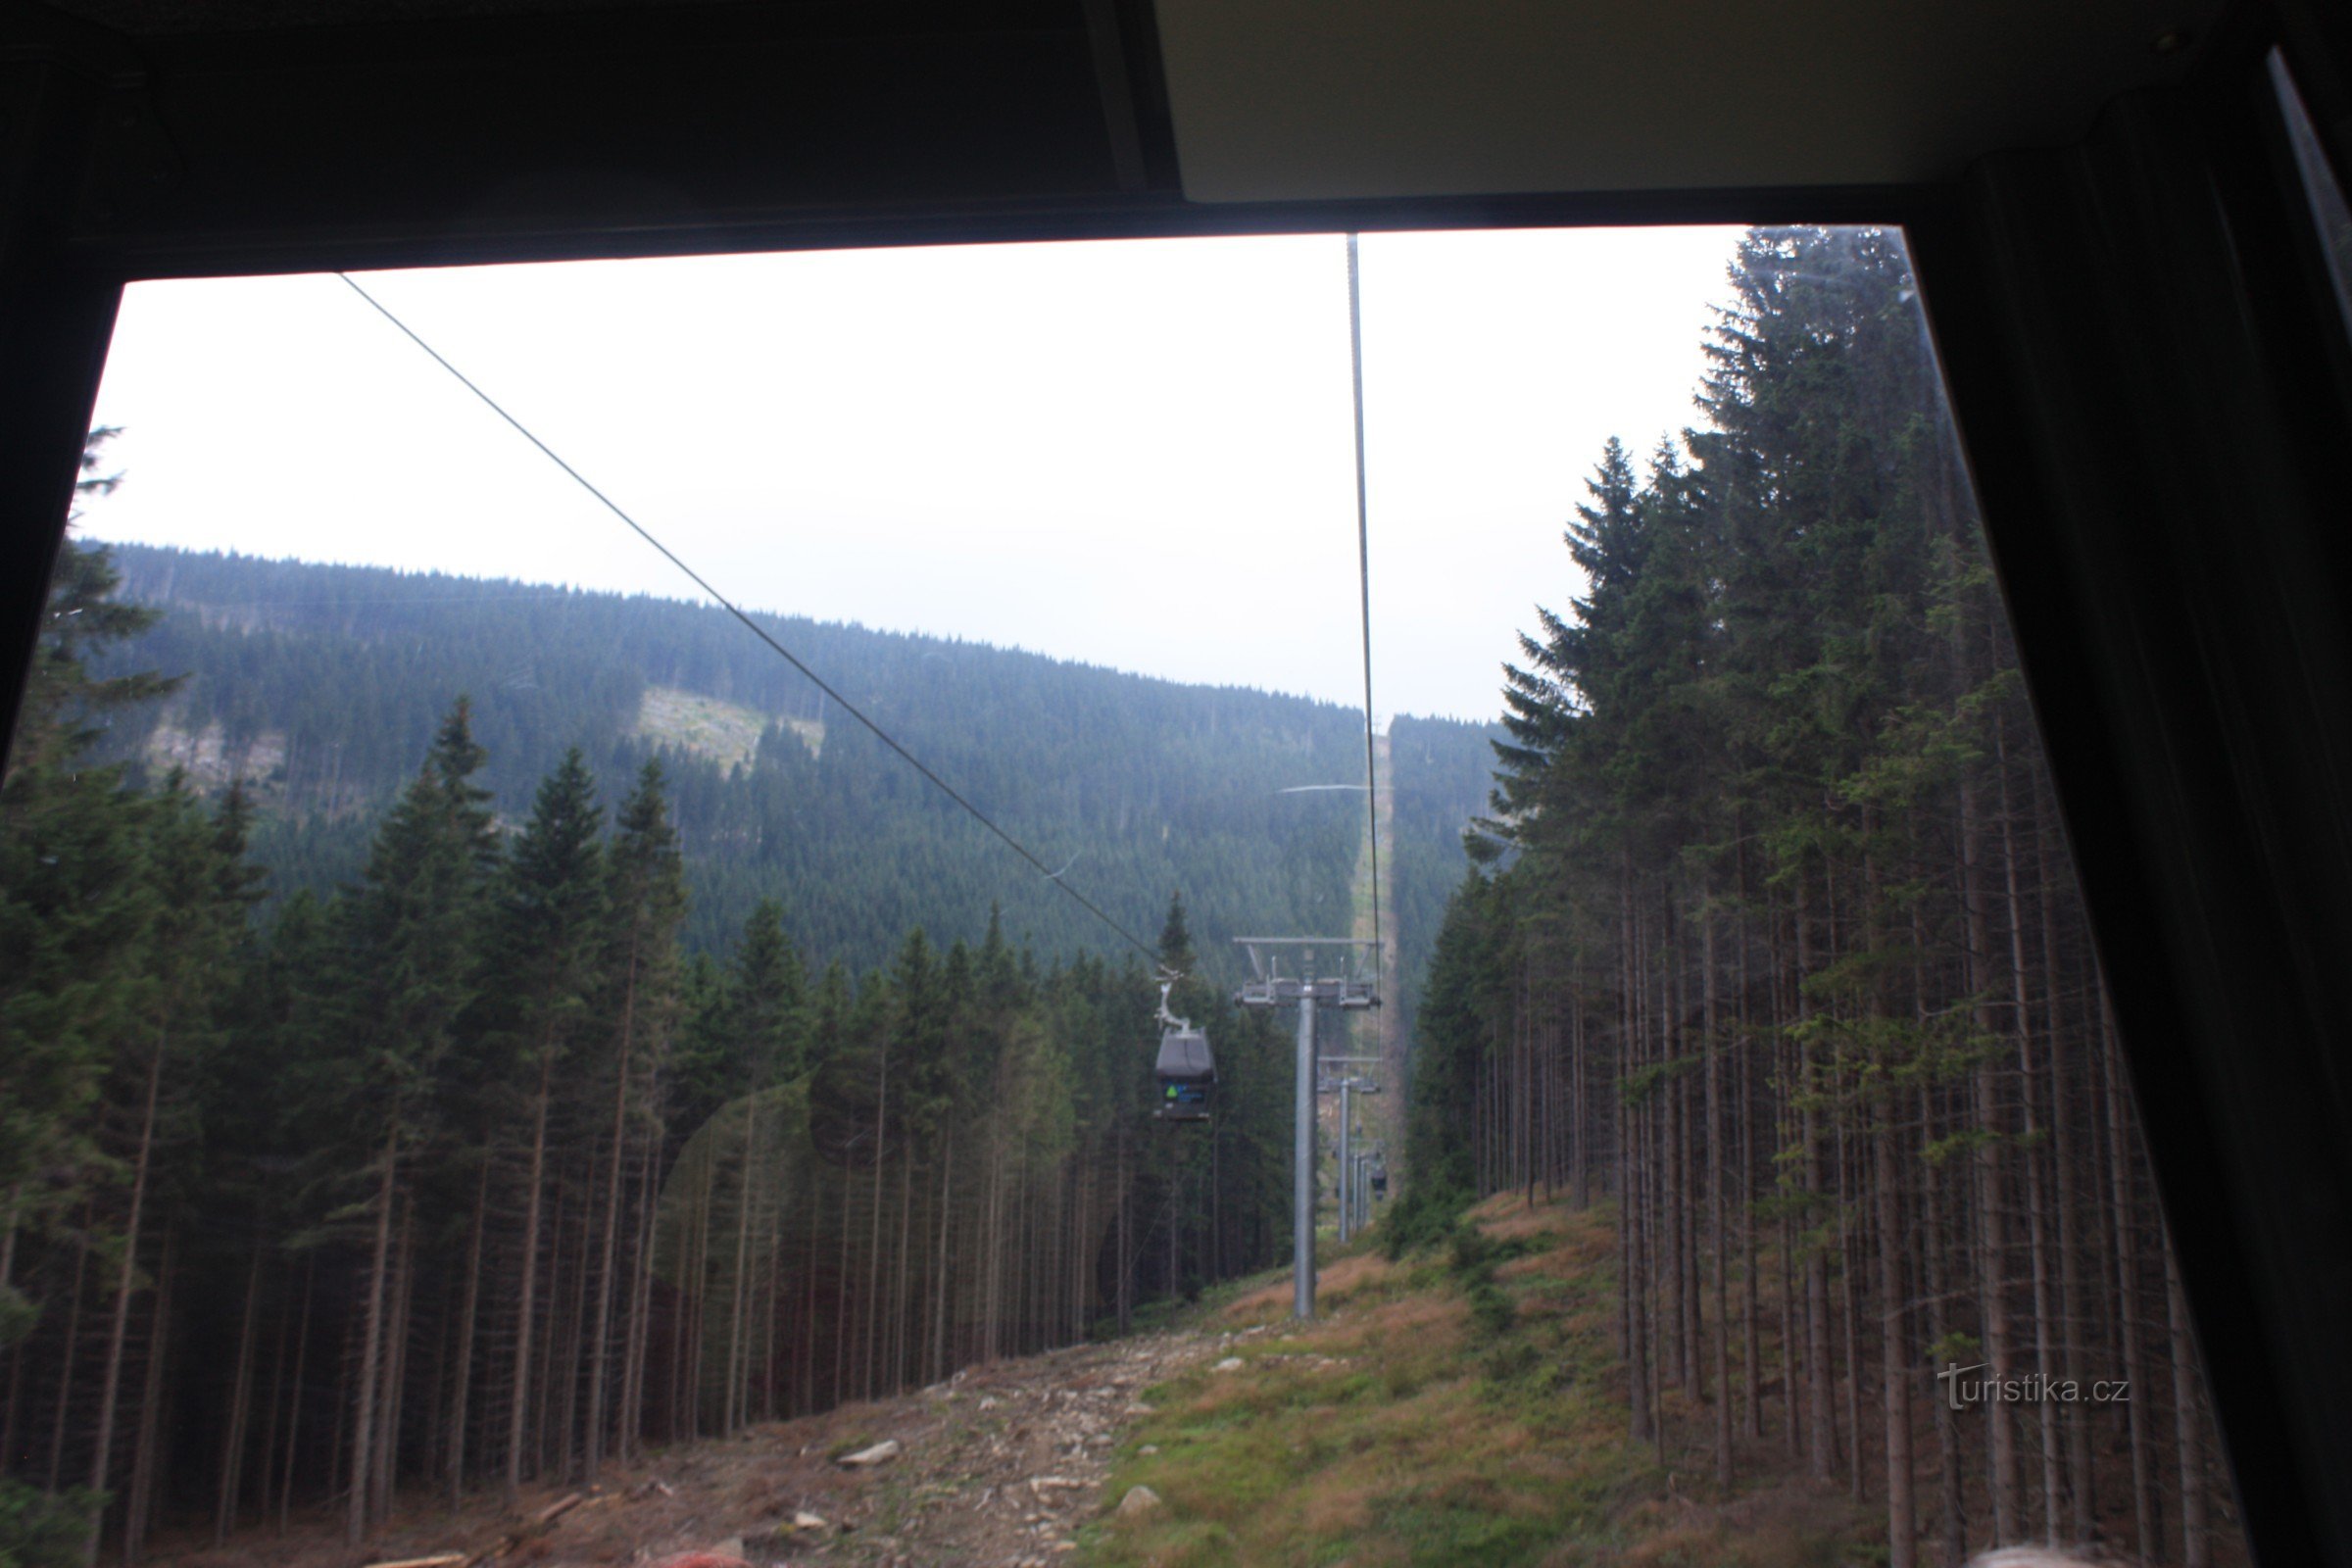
[[1779, 928], [482, 1026], [2320, 187]]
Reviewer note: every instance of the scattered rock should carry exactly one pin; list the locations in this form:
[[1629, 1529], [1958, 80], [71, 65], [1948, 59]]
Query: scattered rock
[[1149, 1449], [775, 1542], [1232, 1363], [952, 1484]]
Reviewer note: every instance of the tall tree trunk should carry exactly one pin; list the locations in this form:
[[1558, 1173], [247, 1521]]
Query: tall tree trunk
[[345, 1355], [738, 1360], [873, 1249], [518, 1412], [2036, 1223], [569, 1359], [940, 1297], [1752, 1374], [1849, 1306], [1579, 1131], [1122, 1246], [1674, 1202], [8, 1235], [275, 1406], [16, 1353], [126, 1282], [302, 1349], [147, 1455], [1952, 1523], [240, 1403], [1712, 1023], [1993, 1254], [841, 1292], [436, 1435], [1784, 1127], [599, 1347], [468, 1314], [1631, 1189], [1821, 1435], [396, 1365], [640, 1302], [1895, 1368], [905, 1306], [772, 1310], [362, 1427], [686, 1349]]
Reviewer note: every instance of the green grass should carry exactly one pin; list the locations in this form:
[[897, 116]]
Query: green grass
[[1460, 1405]]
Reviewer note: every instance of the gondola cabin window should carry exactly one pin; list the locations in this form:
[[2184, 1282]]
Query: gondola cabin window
[[511, 990]]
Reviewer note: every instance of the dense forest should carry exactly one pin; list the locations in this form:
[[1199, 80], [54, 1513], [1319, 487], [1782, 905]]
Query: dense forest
[[457, 1032], [465, 1173], [320, 686], [1775, 947]]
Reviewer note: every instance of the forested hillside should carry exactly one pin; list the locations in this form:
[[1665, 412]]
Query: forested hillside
[[466, 1174], [457, 1031], [322, 685], [1776, 947]]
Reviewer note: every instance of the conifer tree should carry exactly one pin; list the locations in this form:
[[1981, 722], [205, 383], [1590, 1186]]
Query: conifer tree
[[75, 903], [411, 973], [1769, 904], [550, 919], [645, 904]]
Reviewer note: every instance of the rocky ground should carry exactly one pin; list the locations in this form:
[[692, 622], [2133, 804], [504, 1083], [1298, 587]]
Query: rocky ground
[[995, 1468]]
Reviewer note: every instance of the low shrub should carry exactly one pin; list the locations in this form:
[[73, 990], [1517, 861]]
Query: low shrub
[[37, 1531]]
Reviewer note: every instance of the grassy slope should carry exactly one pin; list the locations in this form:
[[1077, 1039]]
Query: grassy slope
[[1465, 1406]]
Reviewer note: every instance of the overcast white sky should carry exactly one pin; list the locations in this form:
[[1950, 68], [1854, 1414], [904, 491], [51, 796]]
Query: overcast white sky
[[1136, 453]]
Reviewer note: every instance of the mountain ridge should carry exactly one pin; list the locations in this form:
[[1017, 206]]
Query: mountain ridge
[[321, 684]]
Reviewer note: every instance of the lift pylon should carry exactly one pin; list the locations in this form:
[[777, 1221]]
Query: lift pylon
[[1327, 971]]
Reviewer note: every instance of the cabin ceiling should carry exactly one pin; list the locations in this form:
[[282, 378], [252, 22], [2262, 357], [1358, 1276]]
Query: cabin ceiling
[[236, 126], [1385, 98]]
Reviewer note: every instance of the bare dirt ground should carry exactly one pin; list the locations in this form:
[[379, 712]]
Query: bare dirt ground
[[995, 1468]]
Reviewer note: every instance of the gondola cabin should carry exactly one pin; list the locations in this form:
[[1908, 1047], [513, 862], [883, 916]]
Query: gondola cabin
[[1187, 1075]]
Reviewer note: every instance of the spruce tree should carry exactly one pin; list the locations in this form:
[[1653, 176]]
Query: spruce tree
[[645, 904], [411, 972], [75, 899], [766, 1002], [551, 918]]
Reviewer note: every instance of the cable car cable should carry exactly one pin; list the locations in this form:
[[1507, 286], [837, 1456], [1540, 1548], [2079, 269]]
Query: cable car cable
[[756, 630], [1363, 577]]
